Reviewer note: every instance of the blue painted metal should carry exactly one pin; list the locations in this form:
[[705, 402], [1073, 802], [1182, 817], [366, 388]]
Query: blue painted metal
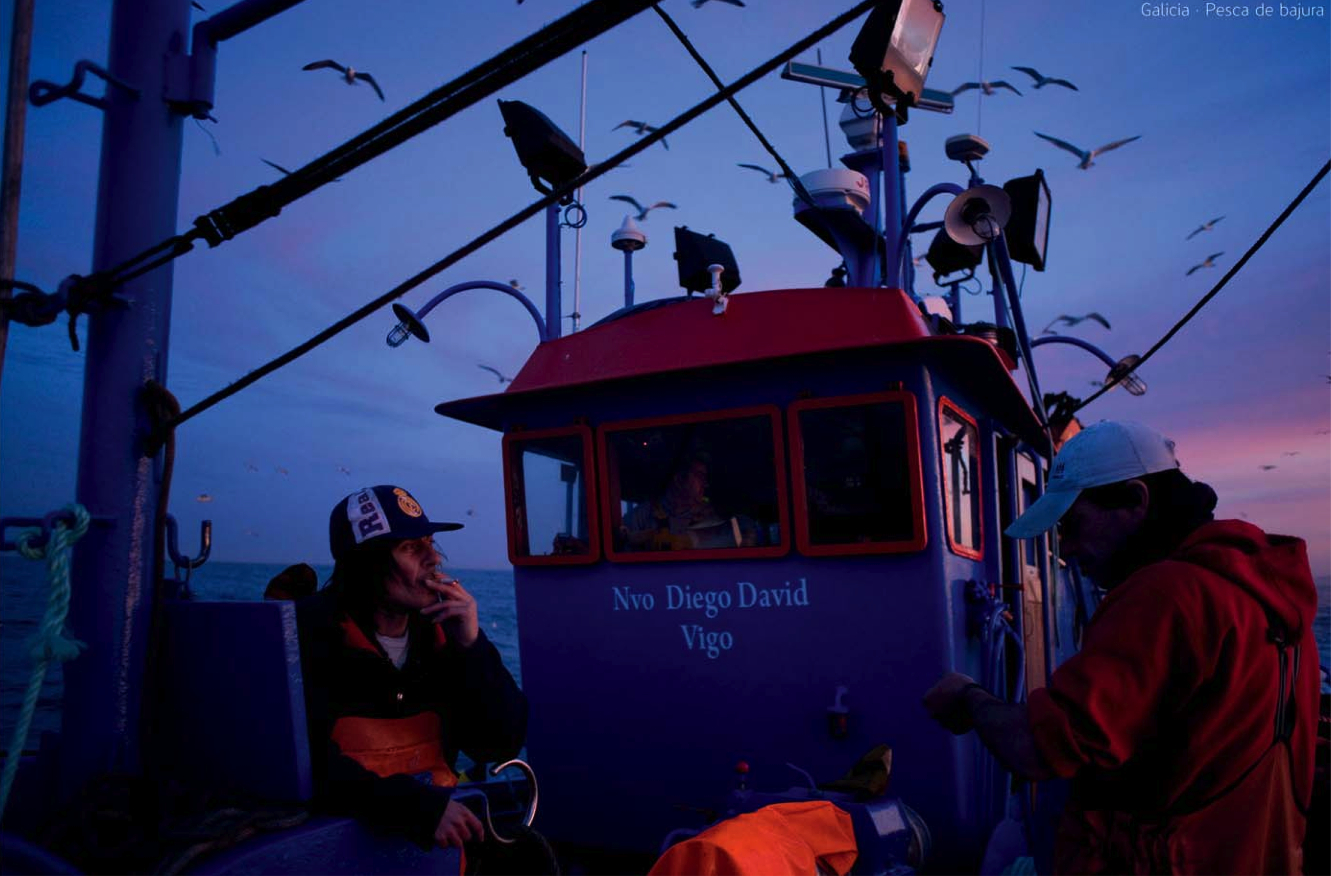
[[1023, 340], [1076, 342], [628, 278], [553, 294], [208, 33], [113, 567], [42, 92], [542, 326], [891, 203], [233, 701], [908, 226]]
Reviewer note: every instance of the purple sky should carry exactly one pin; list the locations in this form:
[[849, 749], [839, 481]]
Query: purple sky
[[1234, 116]]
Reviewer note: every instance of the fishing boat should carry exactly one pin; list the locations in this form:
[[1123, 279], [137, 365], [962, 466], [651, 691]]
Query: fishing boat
[[747, 528]]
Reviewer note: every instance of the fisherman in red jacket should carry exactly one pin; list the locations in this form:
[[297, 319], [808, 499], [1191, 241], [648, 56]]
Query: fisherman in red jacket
[[1187, 721], [399, 676]]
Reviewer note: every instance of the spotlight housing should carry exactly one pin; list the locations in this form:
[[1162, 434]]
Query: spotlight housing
[[549, 156]]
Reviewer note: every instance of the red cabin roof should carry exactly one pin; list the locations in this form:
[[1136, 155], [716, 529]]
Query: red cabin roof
[[757, 326]]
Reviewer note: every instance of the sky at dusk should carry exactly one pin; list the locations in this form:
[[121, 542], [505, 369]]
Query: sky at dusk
[[1234, 115]]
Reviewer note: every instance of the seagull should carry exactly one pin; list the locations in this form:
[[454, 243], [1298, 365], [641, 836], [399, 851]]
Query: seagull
[[1209, 263], [495, 371], [640, 128], [1290, 453], [1087, 158], [348, 74], [1205, 226], [254, 533], [771, 177], [203, 497], [471, 512], [516, 285], [249, 466], [1041, 81], [697, 4], [642, 211], [1266, 467], [342, 469], [282, 471], [986, 87], [1073, 320]]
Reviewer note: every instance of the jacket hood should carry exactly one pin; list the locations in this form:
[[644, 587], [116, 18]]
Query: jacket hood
[[1273, 568]]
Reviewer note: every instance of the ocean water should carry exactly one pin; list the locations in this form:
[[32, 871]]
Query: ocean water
[[23, 600]]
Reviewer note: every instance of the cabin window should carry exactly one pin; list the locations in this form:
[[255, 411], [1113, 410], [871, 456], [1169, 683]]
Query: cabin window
[[551, 515], [697, 486], [856, 469], [959, 437]]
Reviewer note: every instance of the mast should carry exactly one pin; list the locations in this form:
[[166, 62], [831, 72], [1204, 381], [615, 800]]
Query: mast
[[137, 198], [16, 105]]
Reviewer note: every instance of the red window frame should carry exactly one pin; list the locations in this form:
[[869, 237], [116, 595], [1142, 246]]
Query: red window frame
[[772, 412], [913, 462], [959, 549], [592, 498]]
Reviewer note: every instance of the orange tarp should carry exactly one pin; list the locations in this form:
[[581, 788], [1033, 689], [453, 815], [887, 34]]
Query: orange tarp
[[785, 838]]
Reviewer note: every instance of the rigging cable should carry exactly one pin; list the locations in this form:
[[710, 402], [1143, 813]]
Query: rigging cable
[[243, 213], [1252, 250], [800, 191], [527, 212]]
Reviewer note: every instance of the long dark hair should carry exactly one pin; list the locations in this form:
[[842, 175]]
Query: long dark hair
[[1177, 505], [359, 576]]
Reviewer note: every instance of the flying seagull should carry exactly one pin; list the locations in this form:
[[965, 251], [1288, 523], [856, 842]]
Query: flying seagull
[[986, 87], [203, 497], [495, 371], [342, 469], [1209, 263], [282, 471], [639, 128], [1290, 453], [249, 466], [1073, 320], [771, 177], [1205, 226], [642, 211], [348, 74], [1087, 158], [1266, 467], [697, 4], [1041, 81]]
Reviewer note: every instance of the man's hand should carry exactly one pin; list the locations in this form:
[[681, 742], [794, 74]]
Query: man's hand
[[456, 610], [458, 825], [946, 703]]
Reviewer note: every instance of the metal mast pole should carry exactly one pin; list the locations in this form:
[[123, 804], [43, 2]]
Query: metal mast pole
[[577, 232], [16, 105], [137, 199]]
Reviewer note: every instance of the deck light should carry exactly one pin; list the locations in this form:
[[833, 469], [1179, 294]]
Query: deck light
[[946, 256], [1131, 382], [550, 157], [695, 252], [1027, 232], [977, 215], [894, 49], [408, 324]]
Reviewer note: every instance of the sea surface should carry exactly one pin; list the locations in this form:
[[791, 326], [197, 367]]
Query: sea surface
[[23, 600]]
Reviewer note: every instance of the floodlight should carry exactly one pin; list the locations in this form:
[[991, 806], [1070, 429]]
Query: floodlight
[[1131, 382], [946, 256], [545, 151], [1027, 232], [694, 252], [894, 49]]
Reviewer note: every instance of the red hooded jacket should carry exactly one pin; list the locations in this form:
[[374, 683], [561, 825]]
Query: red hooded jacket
[[1167, 718]]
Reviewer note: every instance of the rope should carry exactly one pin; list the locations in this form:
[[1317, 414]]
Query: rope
[[800, 191], [592, 173], [1280, 220], [52, 641]]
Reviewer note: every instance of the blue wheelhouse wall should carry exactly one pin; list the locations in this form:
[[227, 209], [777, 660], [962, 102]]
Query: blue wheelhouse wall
[[631, 729]]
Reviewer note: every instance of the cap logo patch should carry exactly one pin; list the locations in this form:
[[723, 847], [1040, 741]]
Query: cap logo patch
[[366, 516], [406, 503], [1058, 469]]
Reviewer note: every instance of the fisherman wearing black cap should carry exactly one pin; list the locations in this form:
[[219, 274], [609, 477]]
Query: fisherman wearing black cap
[[399, 676]]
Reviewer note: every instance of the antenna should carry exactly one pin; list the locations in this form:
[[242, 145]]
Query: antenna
[[577, 232], [822, 96]]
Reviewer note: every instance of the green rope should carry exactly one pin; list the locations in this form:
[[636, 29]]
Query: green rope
[[52, 641]]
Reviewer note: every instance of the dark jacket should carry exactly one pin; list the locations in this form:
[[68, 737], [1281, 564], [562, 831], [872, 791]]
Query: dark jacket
[[346, 674], [1167, 718]]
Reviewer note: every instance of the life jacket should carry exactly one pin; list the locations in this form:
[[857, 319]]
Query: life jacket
[[806, 837]]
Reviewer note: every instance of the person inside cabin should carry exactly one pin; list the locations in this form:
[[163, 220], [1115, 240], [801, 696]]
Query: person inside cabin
[[1184, 723], [398, 675], [682, 516]]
